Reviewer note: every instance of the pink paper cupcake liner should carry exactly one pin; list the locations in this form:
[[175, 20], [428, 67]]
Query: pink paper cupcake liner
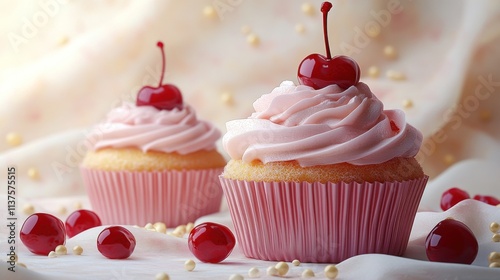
[[137, 198], [322, 223]]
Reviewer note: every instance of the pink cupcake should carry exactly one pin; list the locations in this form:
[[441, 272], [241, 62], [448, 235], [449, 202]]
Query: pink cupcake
[[320, 172], [153, 161], [322, 175]]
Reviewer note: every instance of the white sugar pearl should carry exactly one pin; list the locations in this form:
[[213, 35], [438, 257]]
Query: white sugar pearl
[[296, 262], [282, 268], [307, 273], [272, 271], [331, 271], [77, 250], [254, 272], [189, 265], [61, 250], [236, 277], [162, 276]]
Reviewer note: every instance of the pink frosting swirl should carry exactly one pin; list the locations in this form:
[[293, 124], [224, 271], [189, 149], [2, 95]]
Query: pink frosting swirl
[[150, 129], [320, 127]]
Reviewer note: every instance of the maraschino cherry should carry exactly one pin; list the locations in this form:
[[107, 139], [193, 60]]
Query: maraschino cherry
[[211, 242], [451, 197], [162, 97], [318, 71], [451, 241], [42, 233], [81, 220], [491, 200], [116, 242]]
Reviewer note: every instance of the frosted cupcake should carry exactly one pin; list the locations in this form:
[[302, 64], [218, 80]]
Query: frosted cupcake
[[153, 161], [320, 172]]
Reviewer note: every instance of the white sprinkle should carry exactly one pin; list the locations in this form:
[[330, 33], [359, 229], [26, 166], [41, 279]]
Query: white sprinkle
[[77, 250], [253, 39], [307, 273], [160, 227], [373, 72], [331, 271], [13, 139], [189, 265], [407, 103], [494, 227], [162, 276], [390, 52], [189, 227], [272, 271], [494, 257], [254, 272], [33, 173], [299, 28], [52, 254], [236, 277], [296, 262], [28, 209], [282, 268], [21, 264], [308, 9], [494, 264], [209, 12], [496, 237], [61, 250], [395, 75]]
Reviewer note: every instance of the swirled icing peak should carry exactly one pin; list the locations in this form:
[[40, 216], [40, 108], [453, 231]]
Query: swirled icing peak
[[150, 129], [319, 127]]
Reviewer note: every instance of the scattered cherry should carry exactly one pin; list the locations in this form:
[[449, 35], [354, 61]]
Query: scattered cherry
[[318, 71], [42, 233], [487, 199], [211, 242], [451, 241], [81, 220], [451, 197], [116, 242], [162, 97]]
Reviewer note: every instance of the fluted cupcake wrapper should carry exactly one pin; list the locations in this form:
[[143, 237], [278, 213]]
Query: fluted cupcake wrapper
[[322, 223], [137, 198]]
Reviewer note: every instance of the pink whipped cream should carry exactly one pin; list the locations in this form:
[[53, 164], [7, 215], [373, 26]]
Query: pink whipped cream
[[150, 129], [319, 127]]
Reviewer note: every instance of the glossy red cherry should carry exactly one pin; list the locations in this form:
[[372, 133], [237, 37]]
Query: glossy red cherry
[[211, 242], [451, 241], [487, 199], [116, 242], [81, 220], [451, 197], [42, 233], [162, 97], [318, 71]]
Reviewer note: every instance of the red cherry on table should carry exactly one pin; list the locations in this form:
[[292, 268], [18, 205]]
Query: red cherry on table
[[116, 242], [451, 197], [451, 241], [42, 233], [211, 242], [487, 199], [318, 71], [81, 220], [162, 97]]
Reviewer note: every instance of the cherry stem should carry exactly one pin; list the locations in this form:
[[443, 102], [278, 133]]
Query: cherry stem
[[160, 45], [325, 8]]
